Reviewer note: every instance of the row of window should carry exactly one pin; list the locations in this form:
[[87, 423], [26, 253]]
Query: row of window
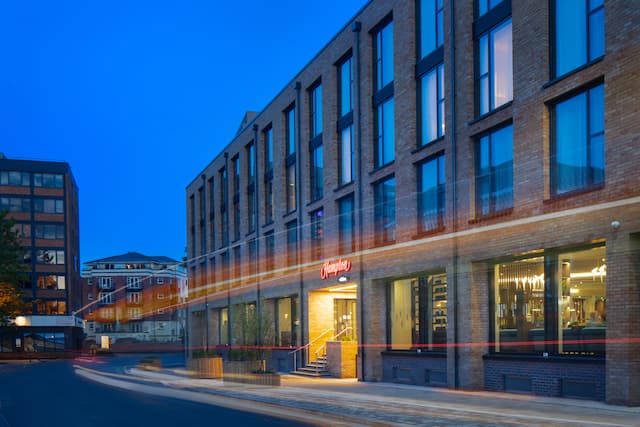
[[23, 205], [133, 282], [23, 179]]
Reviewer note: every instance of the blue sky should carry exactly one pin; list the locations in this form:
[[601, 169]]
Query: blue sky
[[139, 96]]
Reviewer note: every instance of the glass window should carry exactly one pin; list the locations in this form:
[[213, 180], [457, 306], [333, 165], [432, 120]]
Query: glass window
[[105, 282], [291, 187], [269, 247], [212, 216], [385, 211], [431, 201], [486, 5], [224, 213], [15, 204], [431, 26], [384, 56], [49, 206], [316, 111], [48, 180], [346, 155], [202, 222], [346, 87], [51, 282], [578, 160], [21, 179], [317, 234], [418, 313], [432, 104], [284, 325], [105, 297], [292, 239], [579, 37], [192, 234], [291, 130], [268, 149], [224, 326], [385, 138], [133, 283], [519, 306], [49, 231], [237, 262], [346, 225], [50, 256], [133, 297], [494, 172], [316, 173], [495, 68], [268, 201]]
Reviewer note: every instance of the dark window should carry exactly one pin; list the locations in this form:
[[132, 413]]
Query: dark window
[[494, 172], [485, 6], [212, 224], [268, 149], [579, 33], [346, 86], [268, 175], [495, 68], [15, 204], [224, 213], [21, 179], [431, 194], [432, 104], [578, 155], [431, 26], [48, 180], [48, 206], [385, 134], [292, 239], [384, 56], [202, 222], [385, 211], [251, 188], [237, 263], [346, 227], [291, 130], [269, 248], [315, 110], [192, 212], [317, 185], [317, 233], [291, 187]]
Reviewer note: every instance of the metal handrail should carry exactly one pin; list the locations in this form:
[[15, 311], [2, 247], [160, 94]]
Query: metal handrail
[[324, 347], [306, 346]]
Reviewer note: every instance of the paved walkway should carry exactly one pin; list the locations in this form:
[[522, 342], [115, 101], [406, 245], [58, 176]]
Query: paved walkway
[[349, 402]]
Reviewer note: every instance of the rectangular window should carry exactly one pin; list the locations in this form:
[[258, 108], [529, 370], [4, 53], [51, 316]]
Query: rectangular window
[[133, 298], [224, 213], [212, 215], [384, 56], [432, 104], [292, 239], [268, 201], [224, 263], [224, 326], [19, 179], [317, 185], [268, 175], [251, 188], [23, 231], [105, 283], [317, 233], [284, 325], [418, 313], [315, 110], [385, 134], [268, 149], [48, 206], [346, 155], [579, 33], [237, 263], [578, 151], [346, 86], [431, 26], [49, 231], [495, 68], [346, 226], [385, 211], [291, 187], [252, 246], [50, 256], [134, 313], [15, 204], [431, 194], [494, 172], [192, 234], [133, 283], [291, 130], [105, 298], [485, 6], [51, 282], [269, 248], [48, 180], [203, 221]]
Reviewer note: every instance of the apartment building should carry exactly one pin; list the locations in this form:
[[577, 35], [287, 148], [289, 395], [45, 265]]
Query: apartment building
[[450, 184], [42, 198], [133, 298]]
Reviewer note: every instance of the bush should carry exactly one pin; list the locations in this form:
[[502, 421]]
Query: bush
[[243, 354], [200, 354]]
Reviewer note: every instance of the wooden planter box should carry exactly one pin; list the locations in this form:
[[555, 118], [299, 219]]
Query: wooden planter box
[[206, 367], [248, 372]]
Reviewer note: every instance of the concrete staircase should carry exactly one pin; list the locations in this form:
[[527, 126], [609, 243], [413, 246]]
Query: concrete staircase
[[316, 369]]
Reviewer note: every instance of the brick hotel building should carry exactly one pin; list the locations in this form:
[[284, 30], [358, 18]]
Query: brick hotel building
[[42, 198], [452, 185]]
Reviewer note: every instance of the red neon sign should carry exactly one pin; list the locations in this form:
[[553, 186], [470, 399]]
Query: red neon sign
[[334, 268]]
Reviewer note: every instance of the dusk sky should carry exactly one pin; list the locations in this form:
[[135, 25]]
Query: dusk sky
[[139, 96]]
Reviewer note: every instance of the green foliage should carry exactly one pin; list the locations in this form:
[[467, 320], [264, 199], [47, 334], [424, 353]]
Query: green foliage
[[251, 329], [12, 271], [201, 354]]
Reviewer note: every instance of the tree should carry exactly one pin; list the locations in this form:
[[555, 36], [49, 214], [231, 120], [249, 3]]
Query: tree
[[12, 271]]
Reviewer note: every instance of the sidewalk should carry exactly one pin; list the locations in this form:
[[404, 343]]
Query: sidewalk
[[358, 403]]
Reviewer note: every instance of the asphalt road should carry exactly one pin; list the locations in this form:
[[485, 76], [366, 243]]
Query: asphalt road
[[50, 394]]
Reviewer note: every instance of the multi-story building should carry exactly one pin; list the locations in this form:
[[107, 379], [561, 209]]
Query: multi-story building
[[42, 198], [451, 184], [133, 298]]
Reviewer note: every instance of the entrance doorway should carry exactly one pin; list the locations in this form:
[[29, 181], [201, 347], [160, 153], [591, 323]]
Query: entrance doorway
[[345, 319]]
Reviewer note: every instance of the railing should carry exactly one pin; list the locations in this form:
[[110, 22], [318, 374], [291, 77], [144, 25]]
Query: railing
[[321, 350], [297, 351]]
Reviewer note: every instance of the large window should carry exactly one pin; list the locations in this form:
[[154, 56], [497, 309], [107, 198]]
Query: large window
[[291, 187], [49, 231], [555, 303], [290, 178], [21, 179], [345, 122], [384, 56], [315, 110], [292, 243], [579, 33], [50, 256], [269, 248], [236, 197], [494, 172], [495, 68], [431, 194], [48, 180], [317, 233], [485, 6], [224, 212], [290, 116], [251, 187], [431, 26], [432, 104], [578, 152], [317, 186], [49, 206], [345, 168], [418, 313], [203, 221], [346, 226], [268, 175], [15, 204], [51, 282], [385, 134], [346, 86], [385, 211]]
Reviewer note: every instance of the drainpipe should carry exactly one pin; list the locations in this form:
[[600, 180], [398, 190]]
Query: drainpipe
[[355, 28], [452, 103], [297, 86], [255, 202]]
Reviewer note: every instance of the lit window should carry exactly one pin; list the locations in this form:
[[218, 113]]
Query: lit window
[[495, 68], [385, 211]]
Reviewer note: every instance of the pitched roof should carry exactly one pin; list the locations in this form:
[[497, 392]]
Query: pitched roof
[[135, 258]]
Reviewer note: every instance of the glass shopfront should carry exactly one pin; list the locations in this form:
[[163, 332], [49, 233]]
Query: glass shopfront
[[555, 303]]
